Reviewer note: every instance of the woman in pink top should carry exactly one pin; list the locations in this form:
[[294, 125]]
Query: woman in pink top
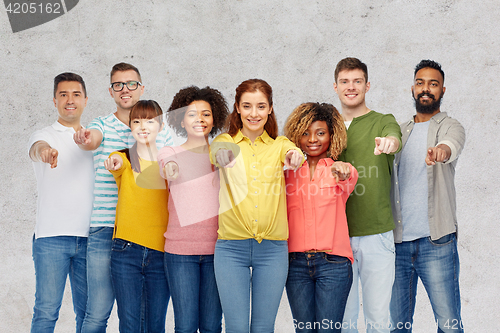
[[320, 272], [193, 207]]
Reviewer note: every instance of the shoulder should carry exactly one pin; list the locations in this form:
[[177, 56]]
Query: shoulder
[[47, 134], [223, 138], [450, 120], [167, 152]]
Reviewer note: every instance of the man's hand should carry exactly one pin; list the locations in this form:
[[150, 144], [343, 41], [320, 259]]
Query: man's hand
[[41, 151], [82, 137], [114, 162], [293, 159], [225, 158], [341, 171], [440, 153], [386, 145], [49, 155], [171, 171]]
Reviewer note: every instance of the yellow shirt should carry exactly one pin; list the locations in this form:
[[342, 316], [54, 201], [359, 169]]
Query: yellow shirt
[[141, 212], [252, 193]]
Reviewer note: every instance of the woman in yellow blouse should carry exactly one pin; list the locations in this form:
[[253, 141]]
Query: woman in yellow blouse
[[137, 269], [251, 253]]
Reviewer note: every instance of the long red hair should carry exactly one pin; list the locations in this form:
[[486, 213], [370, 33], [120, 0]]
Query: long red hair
[[234, 120]]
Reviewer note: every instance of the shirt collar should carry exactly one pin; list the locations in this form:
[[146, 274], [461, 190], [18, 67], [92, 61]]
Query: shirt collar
[[264, 137], [61, 128], [438, 117]]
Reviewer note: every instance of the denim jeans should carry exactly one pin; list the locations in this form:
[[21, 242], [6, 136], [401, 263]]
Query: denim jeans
[[436, 263], [139, 278], [374, 267], [195, 298], [317, 288], [55, 258], [100, 290], [244, 266]]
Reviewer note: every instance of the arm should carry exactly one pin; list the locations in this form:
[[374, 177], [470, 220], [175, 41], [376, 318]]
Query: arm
[[346, 176], [450, 143], [225, 158], [291, 156], [88, 139], [41, 151], [386, 145], [223, 150], [389, 141]]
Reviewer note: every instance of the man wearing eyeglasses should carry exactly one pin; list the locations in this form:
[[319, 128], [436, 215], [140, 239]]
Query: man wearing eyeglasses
[[105, 135]]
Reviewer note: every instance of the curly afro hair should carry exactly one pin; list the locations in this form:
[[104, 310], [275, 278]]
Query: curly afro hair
[[305, 114], [190, 94]]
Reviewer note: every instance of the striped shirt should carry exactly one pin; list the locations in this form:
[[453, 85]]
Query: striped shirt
[[115, 136]]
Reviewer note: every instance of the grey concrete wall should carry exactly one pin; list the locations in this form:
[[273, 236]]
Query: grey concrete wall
[[294, 45]]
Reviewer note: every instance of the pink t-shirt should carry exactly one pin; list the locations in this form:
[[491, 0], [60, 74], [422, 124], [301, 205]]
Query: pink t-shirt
[[316, 209], [193, 204]]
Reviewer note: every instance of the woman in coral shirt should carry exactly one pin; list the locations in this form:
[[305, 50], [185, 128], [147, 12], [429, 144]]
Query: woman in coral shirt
[[320, 256]]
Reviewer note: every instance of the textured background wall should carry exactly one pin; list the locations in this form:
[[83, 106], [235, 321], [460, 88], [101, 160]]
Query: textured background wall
[[294, 45]]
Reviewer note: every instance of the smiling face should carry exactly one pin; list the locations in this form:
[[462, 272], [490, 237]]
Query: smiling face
[[70, 102], [254, 110], [351, 86], [198, 120], [126, 99], [145, 131], [428, 90], [315, 141]]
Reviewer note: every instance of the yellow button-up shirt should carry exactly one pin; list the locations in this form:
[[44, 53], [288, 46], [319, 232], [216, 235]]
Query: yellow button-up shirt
[[252, 193]]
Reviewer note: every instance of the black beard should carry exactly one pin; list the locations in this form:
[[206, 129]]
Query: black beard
[[427, 108]]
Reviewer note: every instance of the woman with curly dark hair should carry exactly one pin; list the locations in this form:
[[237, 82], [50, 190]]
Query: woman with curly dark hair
[[193, 209], [320, 255]]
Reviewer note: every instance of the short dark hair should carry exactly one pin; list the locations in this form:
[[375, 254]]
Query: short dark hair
[[122, 67], [351, 64], [428, 64], [69, 77]]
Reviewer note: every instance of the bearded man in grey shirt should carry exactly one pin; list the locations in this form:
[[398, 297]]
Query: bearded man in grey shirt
[[424, 207]]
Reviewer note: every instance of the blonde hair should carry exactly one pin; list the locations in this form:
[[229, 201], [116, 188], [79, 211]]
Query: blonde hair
[[305, 114]]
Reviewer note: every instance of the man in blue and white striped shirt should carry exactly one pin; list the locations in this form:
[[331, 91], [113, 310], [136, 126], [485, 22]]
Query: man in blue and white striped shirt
[[103, 136]]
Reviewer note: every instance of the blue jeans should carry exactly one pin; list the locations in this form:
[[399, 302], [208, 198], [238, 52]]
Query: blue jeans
[[139, 278], [317, 288], [373, 266], [436, 263], [100, 290], [195, 298], [245, 265], [55, 258]]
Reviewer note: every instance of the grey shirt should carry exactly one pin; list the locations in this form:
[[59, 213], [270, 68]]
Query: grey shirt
[[440, 177]]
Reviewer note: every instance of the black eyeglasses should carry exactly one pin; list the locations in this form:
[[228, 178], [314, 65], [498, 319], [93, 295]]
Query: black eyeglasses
[[131, 85]]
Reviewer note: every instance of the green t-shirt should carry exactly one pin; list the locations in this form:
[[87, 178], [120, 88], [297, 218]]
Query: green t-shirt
[[369, 206]]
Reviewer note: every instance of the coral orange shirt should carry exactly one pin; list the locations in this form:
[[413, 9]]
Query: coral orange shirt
[[316, 210]]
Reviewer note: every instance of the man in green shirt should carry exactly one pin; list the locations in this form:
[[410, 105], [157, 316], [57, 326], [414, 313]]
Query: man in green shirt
[[372, 139]]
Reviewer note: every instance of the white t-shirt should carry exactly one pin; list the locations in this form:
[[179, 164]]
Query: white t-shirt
[[65, 193]]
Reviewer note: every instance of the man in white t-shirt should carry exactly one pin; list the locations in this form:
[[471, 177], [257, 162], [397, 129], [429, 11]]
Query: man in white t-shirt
[[65, 182], [103, 136]]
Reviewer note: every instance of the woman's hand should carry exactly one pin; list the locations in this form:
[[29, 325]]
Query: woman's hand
[[225, 158], [341, 171], [171, 171], [293, 159], [114, 162]]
